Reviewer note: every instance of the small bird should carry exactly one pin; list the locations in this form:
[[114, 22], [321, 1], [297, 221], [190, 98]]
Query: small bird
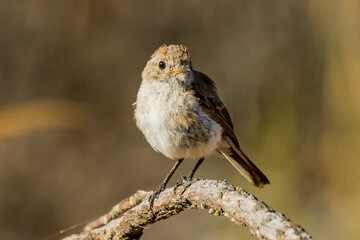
[[181, 116]]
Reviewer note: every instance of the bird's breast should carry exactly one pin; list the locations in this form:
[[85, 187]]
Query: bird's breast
[[174, 123]]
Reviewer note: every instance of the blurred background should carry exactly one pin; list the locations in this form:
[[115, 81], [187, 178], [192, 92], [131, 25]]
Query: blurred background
[[288, 71]]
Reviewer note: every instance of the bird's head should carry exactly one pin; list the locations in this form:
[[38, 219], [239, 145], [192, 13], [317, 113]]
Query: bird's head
[[168, 63]]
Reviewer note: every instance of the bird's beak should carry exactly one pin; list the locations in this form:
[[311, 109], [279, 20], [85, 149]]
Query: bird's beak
[[179, 70]]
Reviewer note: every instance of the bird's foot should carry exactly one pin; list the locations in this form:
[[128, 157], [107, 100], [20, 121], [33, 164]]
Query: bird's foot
[[185, 181], [188, 178], [155, 195]]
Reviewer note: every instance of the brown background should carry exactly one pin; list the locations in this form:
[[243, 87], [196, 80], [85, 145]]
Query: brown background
[[288, 72]]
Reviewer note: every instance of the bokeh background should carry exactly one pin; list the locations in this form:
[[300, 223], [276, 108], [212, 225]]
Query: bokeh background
[[288, 71]]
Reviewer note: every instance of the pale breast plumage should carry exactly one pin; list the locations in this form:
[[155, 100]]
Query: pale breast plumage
[[173, 122]]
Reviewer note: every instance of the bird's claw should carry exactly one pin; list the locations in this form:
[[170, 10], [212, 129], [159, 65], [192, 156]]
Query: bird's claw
[[155, 195], [187, 178]]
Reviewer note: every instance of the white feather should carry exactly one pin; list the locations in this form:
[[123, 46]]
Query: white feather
[[155, 101]]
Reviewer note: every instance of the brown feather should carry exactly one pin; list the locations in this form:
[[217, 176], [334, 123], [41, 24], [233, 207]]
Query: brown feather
[[206, 92]]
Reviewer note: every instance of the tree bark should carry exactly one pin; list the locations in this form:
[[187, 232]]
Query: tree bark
[[219, 197]]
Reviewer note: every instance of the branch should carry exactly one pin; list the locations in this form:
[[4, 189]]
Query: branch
[[221, 198]]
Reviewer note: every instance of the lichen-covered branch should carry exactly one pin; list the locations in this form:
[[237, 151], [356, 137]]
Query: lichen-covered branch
[[219, 197]]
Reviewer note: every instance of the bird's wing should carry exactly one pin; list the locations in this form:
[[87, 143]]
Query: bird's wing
[[210, 102], [206, 92]]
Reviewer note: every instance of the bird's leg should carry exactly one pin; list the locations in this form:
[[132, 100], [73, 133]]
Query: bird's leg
[[163, 184], [190, 176]]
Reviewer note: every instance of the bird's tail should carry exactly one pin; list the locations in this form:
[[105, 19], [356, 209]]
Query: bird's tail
[[248, 169]]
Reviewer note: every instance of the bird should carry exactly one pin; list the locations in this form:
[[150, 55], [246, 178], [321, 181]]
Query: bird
[[179, 112]]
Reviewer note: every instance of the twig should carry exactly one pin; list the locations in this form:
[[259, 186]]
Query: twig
[[221, 198]]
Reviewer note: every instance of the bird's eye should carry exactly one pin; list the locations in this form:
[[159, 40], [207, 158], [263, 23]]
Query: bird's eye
[[161, 65]]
